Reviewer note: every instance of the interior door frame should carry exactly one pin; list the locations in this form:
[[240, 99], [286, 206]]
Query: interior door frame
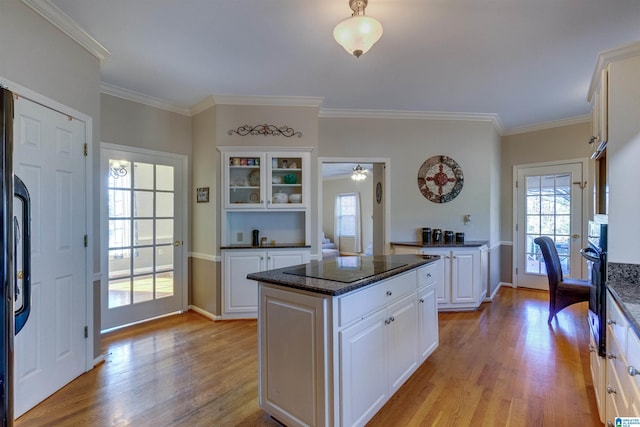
[[385, 190], [91, 277], [587, 210], [184, 202]]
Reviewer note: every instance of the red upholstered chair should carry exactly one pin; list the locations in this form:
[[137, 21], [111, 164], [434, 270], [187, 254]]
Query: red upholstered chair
[[562, 292]]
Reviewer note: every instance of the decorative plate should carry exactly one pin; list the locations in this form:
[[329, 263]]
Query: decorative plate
[[440, 179], [254, 178]]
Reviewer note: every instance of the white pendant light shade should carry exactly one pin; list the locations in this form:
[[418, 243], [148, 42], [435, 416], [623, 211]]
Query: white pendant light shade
[[358, 33]]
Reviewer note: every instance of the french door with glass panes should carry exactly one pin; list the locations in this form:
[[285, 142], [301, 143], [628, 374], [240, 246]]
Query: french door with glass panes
[[144, 242], [549, 203]]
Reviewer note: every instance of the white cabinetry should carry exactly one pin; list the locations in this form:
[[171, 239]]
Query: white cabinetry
[[335, 361], [463, 270], [599, 113], [239, 294], [622, 390]]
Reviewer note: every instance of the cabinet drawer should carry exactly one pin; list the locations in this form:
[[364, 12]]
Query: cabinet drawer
[[355, 305], [427, 274], [616, 391], [617, 322], [633, 358]]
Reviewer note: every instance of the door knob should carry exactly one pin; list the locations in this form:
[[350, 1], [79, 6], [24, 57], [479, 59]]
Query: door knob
[[177, 243], [20, 275], [575, 236]]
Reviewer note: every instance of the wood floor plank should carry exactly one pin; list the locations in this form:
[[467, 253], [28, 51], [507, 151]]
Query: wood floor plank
[[501, 365]]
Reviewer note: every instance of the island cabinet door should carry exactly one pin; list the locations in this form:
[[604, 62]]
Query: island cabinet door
[[402, 342], [427, 320], [363, 369]]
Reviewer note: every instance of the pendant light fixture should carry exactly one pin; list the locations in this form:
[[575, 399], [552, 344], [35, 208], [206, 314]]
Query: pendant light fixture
[[358, 33], [359, 174]]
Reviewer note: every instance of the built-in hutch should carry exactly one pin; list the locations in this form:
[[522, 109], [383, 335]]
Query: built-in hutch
[[264, 190]]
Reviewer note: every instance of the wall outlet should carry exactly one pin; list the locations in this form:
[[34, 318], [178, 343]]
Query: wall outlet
[[239, 237]]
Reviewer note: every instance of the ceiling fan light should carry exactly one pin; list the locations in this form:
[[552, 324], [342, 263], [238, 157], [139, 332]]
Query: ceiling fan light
[[357, 34]]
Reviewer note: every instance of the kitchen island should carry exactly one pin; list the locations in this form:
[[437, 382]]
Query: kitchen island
[[338, 338]]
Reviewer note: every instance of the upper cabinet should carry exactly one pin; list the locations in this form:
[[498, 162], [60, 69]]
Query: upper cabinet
[[265, 180], [599, 113]]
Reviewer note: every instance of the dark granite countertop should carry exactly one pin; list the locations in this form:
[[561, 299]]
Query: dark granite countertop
[[269, 246], [627, 295], [334, 288], [466, 244]]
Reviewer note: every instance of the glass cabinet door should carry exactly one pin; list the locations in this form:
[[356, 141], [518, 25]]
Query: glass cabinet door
[[244, 180], [286, 179]]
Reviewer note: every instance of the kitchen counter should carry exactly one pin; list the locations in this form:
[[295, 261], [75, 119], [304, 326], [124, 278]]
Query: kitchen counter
[[466, 244], [627, 295], [400, 264]]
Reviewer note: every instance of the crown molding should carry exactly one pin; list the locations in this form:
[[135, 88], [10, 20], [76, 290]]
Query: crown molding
[[273, 101], [420, 115], [64, 23], [549, 125], [143, 99], [607, 56], [204, 104]]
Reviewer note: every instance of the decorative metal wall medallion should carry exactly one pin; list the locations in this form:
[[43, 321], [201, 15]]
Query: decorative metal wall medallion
[[265, 130], [440, 179]]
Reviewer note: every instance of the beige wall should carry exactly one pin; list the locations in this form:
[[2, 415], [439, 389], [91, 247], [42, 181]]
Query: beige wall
[[559, 143], [38, 56], [333, 187]]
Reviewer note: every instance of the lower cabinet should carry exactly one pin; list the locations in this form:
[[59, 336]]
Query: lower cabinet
[[621, 388], [240, 295], [598, 374], [335, 361], [463, 273]]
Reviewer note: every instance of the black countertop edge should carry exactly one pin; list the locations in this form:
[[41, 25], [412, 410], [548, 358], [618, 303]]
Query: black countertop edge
[[329, 287], [466, 244], [276, 246], [627, 295]]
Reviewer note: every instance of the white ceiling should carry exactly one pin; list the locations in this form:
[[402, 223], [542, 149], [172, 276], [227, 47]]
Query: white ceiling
[[526, 61]]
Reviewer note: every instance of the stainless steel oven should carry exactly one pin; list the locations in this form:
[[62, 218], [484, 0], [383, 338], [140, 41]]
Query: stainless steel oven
[[596, 256]]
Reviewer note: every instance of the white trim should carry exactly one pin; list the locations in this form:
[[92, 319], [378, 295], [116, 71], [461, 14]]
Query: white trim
[[205, 257], [273, 101], [224, 148], [203, 105], [98, 360], [549, 125], [67, 25], [140, 98], [205, 313], [493, 294], [88, 121], [505, 243], [607, 56]]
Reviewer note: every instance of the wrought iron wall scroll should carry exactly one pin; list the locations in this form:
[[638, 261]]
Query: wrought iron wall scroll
[[265, 130]]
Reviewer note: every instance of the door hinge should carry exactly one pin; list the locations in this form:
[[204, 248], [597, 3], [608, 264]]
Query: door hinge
[[86, 149], [86, 240], [516, 227], [516, 271], [516, 184], [86, 332]]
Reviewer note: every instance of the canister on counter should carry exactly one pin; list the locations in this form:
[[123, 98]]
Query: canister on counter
[[459, 237], [436, 235], [426, 235], [448, 236]]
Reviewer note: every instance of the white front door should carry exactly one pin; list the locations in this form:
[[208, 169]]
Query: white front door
[[144, 246], [49, 157], [549, 203]]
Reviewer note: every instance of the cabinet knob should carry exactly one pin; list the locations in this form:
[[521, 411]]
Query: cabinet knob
[[610, 390], [389, 293], [428, 274], [633, 371], [393, 319], [611, 356], [592, 349], [610, 424], [387, 321], [421, 300], [611, 322]]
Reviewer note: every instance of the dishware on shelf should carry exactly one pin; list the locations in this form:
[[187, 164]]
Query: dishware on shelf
[[254, 178], [274, 162], [243, 161], [280, 198], [290, 178], [285, 164], [276, 179], [294, 165], [235, 161], [295, 198]]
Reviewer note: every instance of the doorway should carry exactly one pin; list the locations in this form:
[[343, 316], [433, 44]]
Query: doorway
[[145, 231], [549, 201], [335, 179]]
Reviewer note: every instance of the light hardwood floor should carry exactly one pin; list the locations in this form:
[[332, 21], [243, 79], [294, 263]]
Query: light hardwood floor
[[501, 365]]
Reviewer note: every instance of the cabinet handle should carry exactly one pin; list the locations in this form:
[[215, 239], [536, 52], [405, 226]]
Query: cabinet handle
[[387, 321], [421, 300], [633, 371], [611, 322], [610, 390], [428, 274], [393, 319], [592, 349], [389, 293], [611, 356]]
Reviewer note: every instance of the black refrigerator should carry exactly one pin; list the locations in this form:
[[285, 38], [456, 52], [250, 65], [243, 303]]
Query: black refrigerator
[[15, 274]]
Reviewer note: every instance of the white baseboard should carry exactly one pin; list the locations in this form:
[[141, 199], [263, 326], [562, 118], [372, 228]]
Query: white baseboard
[[98, 360], [204, 313]]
